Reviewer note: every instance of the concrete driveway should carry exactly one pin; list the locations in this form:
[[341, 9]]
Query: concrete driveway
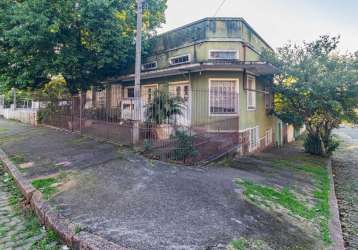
[[142, 204]]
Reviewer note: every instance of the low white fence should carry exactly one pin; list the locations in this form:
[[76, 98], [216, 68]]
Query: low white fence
[[28, 116]]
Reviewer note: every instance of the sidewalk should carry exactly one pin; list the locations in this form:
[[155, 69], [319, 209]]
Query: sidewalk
[[142, 204], [19, 231], [345, 165]]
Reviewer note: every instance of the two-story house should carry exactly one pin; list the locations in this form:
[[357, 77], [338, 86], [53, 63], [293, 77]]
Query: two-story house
[[214, 65]]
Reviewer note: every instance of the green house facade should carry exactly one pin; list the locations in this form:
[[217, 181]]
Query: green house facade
[[214, 65]]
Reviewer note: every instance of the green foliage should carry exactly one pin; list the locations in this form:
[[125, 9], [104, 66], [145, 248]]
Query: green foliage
[[21, 96], [17, 159], [240, 244], [313, 145], [184, 146], [46, 186], [54, 91], [283, 197], [84, 41], [147, 145], [246, 244], [316, 87], [163, 107], [78, 229]]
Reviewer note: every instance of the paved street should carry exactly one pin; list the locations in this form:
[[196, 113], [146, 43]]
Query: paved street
[[346, 178]]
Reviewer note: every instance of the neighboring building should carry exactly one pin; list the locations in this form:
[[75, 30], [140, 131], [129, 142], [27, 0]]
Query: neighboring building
[[214, 65]]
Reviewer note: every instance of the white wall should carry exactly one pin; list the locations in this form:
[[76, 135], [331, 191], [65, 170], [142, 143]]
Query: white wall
[[28, 116]]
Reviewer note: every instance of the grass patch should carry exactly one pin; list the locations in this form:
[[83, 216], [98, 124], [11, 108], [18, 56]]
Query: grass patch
[[239, 244], [245, 244], [12, 138], [320, 213], [3, 130], [78, 229], [282, 197], [79, 140], [228, 162], [46, 186], [17, 159]]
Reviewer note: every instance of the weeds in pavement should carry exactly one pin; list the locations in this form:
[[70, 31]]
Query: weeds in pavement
[[319, 213], [17, 159], [43, 239], [46, 186], [245, 244]]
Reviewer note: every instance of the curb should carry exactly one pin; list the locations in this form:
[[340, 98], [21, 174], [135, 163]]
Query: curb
[[335, 226], [51, 219]]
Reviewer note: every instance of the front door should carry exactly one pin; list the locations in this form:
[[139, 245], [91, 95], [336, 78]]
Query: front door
[[182, 89]]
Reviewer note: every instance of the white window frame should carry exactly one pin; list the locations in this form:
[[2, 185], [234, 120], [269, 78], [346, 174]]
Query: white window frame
[[248, 92], [180, 83], [155, 67], [223, 50], [175, 57], [237, 107], [255, 145]]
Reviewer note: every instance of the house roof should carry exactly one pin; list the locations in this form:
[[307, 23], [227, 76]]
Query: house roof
[[254, 67]]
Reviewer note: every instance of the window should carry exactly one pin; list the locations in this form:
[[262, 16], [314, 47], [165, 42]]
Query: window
[[268, 137], [148, 92], [251, 93], [101, 98], [186, 93], [223, 54], [149, 66], [180, 89], [130, 92], [254, 138], [267, 99], [180, 60], [223, 97]]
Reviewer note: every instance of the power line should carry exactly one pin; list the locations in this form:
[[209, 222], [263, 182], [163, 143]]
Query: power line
[[219, 8]]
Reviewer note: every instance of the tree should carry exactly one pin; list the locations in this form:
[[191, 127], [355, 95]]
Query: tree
[[85, 41], [317, 87]]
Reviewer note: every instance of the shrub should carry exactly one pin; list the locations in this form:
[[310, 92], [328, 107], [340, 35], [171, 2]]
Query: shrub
[[184, 146], [313, 145]]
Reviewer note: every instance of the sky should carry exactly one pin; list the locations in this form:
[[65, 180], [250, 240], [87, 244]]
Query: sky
[[277, 21]]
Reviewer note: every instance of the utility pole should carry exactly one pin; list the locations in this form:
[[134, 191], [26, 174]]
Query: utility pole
[[13, 98], [138, 55], [138, 65]]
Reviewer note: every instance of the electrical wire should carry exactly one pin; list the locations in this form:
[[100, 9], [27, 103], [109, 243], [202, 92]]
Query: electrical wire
[[219, 8]]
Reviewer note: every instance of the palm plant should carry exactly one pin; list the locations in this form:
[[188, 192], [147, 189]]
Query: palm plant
[[163, 107]]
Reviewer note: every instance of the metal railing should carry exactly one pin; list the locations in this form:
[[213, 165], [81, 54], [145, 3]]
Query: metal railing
[[185, 127]]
